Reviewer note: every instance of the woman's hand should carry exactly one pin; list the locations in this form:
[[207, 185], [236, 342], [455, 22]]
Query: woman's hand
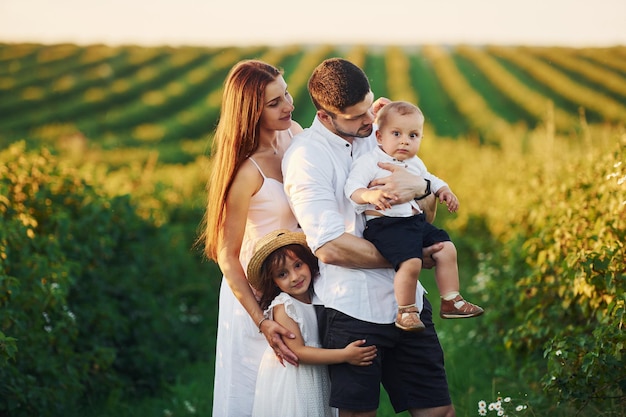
[[274, 334]]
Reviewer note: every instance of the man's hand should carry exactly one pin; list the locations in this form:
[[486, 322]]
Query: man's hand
[[427, 255], [274, 334], [379, 104], [400, 183]]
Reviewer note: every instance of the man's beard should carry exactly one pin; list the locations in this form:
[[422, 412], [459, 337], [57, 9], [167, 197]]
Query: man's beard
[[356, 134]]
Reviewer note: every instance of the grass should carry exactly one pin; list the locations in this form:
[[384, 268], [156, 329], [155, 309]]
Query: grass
[[469, 369]]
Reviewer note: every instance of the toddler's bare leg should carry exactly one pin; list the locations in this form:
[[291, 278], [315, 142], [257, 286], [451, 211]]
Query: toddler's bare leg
[[447, 269], [405, 281]]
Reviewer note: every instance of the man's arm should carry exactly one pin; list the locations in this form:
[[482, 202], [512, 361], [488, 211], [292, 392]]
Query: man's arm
[[429, 207], [350, 251]]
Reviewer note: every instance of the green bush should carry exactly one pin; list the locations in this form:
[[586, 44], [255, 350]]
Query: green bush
[[560, 290], [94, 300]]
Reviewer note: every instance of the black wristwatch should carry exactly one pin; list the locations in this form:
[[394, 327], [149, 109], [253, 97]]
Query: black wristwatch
[[426, 193]]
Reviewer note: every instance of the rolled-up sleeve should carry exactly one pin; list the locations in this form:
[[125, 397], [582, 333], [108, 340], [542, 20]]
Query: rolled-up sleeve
[[362, 172], [308, 184]]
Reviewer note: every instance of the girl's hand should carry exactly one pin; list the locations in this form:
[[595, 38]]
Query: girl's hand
[[360, 356], [274, 334]]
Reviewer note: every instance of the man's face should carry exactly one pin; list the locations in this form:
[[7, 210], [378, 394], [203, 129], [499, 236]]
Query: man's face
[[354, 122]]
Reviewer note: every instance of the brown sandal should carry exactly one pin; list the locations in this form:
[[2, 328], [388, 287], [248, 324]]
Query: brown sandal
[[409, 319]]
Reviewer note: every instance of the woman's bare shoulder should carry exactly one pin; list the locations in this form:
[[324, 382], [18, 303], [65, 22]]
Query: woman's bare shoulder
[[248, 176], [295, 128]]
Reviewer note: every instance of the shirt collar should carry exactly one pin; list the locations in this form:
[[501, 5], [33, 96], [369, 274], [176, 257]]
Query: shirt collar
[[385, 157], [334, 140]]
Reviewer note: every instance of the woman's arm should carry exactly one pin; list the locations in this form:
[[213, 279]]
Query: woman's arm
[[355, 353], [245, 185]]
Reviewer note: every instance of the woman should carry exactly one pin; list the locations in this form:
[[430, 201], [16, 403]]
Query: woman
[[245, 202]]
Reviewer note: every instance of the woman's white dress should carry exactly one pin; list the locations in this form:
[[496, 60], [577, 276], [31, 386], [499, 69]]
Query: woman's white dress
[[239, 344], [291, 391]]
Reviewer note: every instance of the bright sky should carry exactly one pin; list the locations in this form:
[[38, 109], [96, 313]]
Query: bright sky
[[278, 22]]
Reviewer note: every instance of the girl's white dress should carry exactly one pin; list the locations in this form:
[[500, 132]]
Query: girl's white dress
[[239, 344], [291, 391]]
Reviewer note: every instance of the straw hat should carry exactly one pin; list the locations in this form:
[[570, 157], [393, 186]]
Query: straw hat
[[264, 248]]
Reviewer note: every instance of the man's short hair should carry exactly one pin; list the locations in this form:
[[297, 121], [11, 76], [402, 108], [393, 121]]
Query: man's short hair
[[337, 84]]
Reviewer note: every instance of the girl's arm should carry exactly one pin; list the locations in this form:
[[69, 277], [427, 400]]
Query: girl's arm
[[354, 353], [245, 184]]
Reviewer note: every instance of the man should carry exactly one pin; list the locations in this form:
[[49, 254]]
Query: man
[[355, 285]]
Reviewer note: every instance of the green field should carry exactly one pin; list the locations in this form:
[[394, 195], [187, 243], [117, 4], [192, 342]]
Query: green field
[[104, 156], [133, 96]]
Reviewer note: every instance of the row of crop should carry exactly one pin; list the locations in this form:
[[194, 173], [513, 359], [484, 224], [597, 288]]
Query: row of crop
[[297, 78], [604, 57], [12, 55], [182, 91], [532, 102], [487, 124], [159, 110], [90, 60], [197, 117], [157, 93], [191, 119], [399, 82], [589, 99], [596, 76], [26, 57], [440, 111], [398, 68], [73, 80], [93, 103]]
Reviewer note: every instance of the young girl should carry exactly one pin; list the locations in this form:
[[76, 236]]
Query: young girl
[[282, 269]]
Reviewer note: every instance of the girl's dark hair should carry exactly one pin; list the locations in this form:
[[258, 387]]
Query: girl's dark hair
[[274, 261]]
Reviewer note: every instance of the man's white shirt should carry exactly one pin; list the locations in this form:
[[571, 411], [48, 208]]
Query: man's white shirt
[[315, 169]]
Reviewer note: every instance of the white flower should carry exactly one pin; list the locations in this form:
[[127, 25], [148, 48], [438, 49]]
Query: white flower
[[190, 407]]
